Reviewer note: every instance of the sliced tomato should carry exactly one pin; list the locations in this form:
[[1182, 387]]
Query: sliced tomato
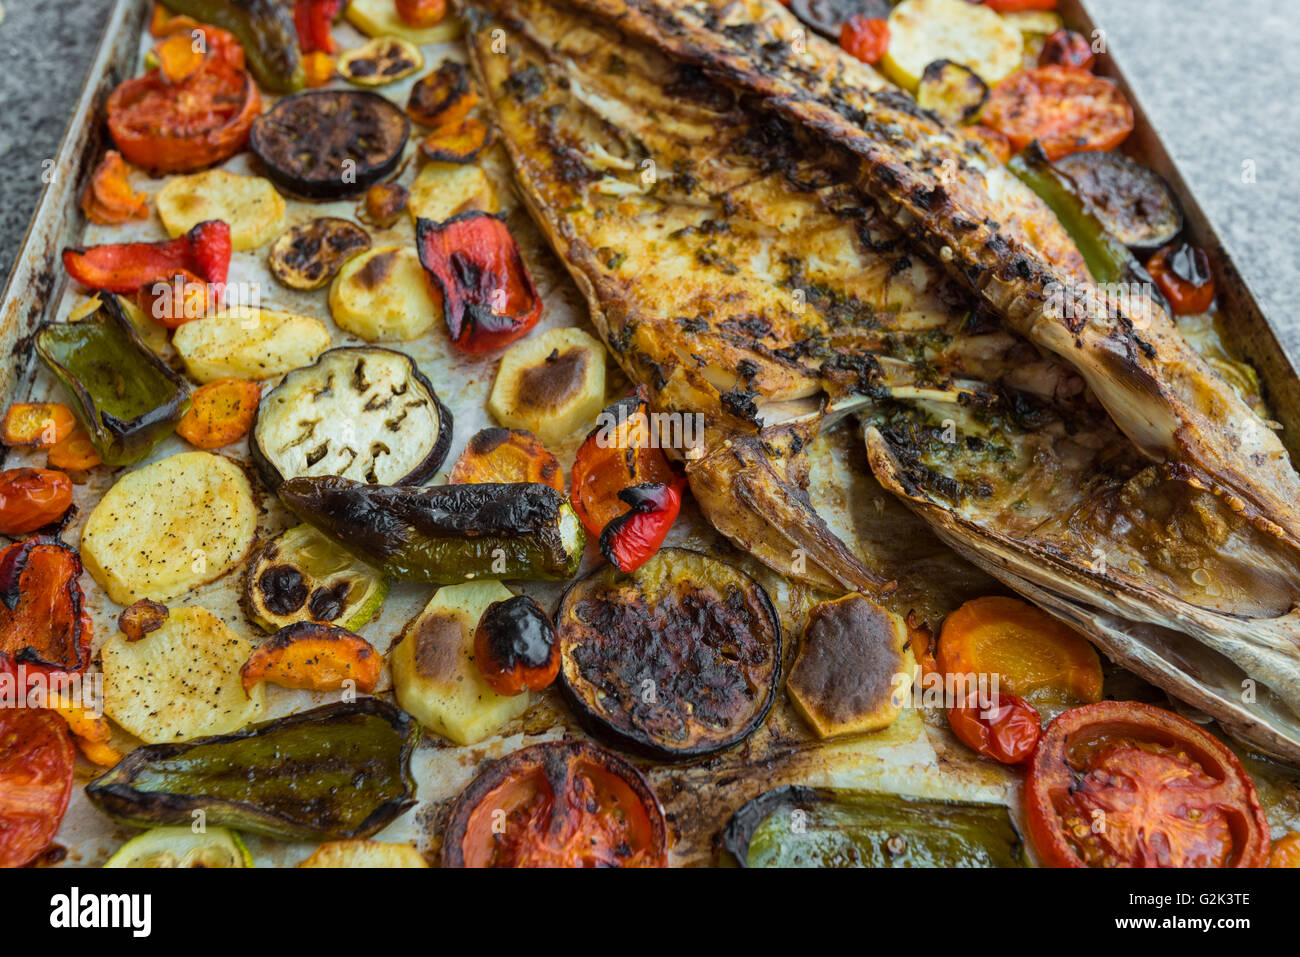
[[560, 804], [36, 762], [1124, 784], [1066, 110], [179, 127]]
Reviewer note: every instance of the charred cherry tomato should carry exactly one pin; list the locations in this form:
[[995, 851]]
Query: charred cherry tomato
[[1066, 110], [421, 14], [560, 804], [1286, 851], [1067, 48], [1006, 731], [313, 20], [43, 624], [488, 296], [515, 647], [32, 498], [180, 127], [616, 455], [1183, 273], [866, 38], [36, 763], [631, 539], [124, 268], [384, 203], [1123, 784]]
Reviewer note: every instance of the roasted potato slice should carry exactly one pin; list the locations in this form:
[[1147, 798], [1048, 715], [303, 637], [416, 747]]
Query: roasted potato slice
[[383, 295], [378, 18], [249, 343], [552, 385], [442, 190], [249, 204]]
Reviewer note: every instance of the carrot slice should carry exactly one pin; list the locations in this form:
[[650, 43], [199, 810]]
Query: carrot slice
[[444, 97], [317, 68], [42, 424], [506, 455], [108, 198], [1034, 656], [220, 412], [317, 657], [456, 142], [75, 453]]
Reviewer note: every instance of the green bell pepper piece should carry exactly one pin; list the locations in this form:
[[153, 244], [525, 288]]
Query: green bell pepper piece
[[126, 397], [263, 28]]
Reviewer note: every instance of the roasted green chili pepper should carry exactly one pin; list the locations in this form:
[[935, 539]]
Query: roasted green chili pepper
[[822, 827], [127, 398], [1108, 259], [265, 30], [445, 534], [340, 771]]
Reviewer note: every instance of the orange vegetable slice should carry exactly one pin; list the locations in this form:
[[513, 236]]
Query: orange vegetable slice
[[456, 143], [444, 97], [315, 657], [179, 57], [317, 68], [41, 424], [108, 198], [506, 455], [75, 453], [175, 301], [221, 412]]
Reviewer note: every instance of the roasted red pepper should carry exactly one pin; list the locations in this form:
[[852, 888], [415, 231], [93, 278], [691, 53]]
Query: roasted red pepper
[[1007, 731], [631, 540], [126, 267], [515, 647], [1183, 273], [488, 297], [313, 19], [31, 499], [43, 623]]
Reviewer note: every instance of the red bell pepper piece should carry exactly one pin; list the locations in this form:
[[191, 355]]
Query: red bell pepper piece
[[630, 540], [43, 624], [125, 267], [312, 19], [488, 297]]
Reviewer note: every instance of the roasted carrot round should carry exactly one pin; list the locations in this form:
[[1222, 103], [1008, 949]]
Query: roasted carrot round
[[220, 412], [42, 424], [1034, 656], [74, 453], [506, 455], [457, 142]]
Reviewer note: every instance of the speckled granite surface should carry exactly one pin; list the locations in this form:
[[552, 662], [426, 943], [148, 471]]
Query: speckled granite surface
[[1219, 79]]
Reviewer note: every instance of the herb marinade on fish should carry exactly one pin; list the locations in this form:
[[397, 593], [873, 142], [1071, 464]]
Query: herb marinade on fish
[[771, 235]]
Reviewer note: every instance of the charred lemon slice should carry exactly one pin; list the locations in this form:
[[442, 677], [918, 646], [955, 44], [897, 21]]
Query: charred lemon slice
[[380, 61]]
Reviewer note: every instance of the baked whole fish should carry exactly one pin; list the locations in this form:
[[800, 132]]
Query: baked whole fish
[[772, 236]]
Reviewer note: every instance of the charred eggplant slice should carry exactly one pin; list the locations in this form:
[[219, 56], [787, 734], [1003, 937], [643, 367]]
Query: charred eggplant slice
[[868, 829], [339, 771], [359, 412], [827, 17], [380, 61], [677, 659], [445, 534], [329, 144], [1133, 203], [307, 256], [952, 91]]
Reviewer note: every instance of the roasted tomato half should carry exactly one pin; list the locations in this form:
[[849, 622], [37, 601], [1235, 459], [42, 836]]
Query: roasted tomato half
[[561, 804], [36, 761], [179, 127], [1123, 784]]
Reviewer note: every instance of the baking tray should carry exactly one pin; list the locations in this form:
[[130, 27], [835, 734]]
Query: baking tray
[[916, 755]]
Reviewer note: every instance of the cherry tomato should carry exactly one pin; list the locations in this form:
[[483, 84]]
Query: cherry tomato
[[1183, 273], [1124, 784], [179, 127], [32, 498], [515, 647], [1066, 110], [36, 761], [560, 804], [866, 38], [1067, 48], [1006, 731]]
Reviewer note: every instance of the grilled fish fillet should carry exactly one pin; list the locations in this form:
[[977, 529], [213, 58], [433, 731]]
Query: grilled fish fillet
[[771, 236]]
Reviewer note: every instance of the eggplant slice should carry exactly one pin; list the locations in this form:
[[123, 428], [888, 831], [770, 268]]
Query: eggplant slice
[[307, 256], [330, 144], [359, 412], [1134, 203], [677, 659], [828, 17]]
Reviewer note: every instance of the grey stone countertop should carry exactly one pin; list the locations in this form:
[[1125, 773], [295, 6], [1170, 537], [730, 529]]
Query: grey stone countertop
[[1218, 78]]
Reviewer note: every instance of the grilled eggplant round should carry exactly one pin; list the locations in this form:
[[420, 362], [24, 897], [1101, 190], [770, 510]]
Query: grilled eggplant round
[[308, 255], [330, 144], [363, 413], [677, 659], [1134, 203]]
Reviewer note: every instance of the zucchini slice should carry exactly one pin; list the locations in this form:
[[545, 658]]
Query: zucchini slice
[[360, 412], [380, 61], [330, 144], [922, 31], [181, 847], [953, 92], [308, 255], [1133, 203], [302, 576], [677, 659]]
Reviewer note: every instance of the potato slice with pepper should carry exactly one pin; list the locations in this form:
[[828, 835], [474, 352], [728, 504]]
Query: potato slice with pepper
[[383, 295], [552, 385], [179, 682], [442, 190], [847, 675], [249, 204], [315, 657], [169, 527], [249, 343]]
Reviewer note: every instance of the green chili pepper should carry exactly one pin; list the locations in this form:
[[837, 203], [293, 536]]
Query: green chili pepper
[[127, 398], [263, 28], [340, 771], [823, 827], [445, 534]]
